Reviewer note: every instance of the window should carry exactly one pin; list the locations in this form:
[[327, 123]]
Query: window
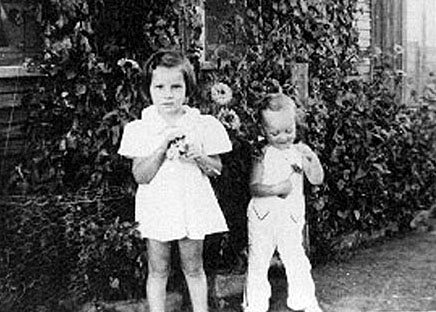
[[19, 36]]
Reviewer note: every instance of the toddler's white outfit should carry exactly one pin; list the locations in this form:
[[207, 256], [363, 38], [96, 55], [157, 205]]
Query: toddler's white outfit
[[277, 223], [179, 201]]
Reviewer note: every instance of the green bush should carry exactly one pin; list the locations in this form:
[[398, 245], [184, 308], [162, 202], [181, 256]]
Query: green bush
[[61, 251], [378, 153], [90, 91]]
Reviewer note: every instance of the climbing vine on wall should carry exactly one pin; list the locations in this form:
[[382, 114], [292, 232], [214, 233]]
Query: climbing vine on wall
[[92, 53], [93, 50]]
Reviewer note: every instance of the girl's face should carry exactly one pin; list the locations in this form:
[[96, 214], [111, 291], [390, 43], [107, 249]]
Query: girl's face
[[279, 128], [168, 90]]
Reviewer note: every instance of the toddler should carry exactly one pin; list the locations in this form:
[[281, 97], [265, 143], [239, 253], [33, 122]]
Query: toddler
[[276, 213]]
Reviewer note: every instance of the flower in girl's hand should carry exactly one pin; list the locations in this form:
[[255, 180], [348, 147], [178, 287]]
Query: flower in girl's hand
[[172, 152], [297, 169], [177, 148], [221, 93]]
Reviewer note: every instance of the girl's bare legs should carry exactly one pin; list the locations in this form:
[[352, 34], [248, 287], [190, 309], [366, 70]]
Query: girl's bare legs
[[158, 272], [191, 257]]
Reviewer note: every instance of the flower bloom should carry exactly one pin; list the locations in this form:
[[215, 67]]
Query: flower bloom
[[177, 149], [221, 93], [229, 118], [124, 61]]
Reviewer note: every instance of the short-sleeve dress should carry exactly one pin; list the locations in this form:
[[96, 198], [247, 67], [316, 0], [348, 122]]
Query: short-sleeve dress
[[179, 201]]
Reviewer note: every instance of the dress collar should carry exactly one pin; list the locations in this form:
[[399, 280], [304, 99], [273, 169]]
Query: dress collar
[[151, 115]]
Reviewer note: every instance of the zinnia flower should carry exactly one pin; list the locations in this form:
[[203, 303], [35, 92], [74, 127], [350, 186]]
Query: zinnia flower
[[229, 118], [178, 148], [221, 93], [124, 62]]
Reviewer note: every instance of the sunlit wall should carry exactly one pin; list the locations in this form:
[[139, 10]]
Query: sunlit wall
[[420, 42]]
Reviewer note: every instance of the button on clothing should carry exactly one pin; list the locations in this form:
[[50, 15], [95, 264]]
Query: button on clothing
[[277, 224], [179, 201]]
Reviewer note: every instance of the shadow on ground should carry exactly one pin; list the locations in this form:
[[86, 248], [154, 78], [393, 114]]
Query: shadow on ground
[[398, 274], [393, 275]]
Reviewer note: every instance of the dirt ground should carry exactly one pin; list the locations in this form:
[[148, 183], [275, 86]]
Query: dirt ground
[[397, 274], [392, 275]]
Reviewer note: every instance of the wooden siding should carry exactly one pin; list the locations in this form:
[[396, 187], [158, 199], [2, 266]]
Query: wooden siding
[[387, 27], [420, 47], [363, 24], [13, 116], [18, 32]]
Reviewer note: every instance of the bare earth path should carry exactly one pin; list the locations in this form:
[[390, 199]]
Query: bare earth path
[[398, 274], [394, 275]]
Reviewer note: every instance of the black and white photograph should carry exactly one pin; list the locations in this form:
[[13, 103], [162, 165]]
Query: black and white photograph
[[217, 156]]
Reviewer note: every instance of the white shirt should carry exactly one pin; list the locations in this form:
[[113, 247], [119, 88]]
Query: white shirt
[[279, 165]]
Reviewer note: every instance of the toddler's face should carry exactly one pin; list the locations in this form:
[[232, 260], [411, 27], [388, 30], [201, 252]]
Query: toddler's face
[[279, 128], [168, 89]]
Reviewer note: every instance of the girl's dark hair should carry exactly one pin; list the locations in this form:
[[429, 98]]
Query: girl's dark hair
[[169, 58]]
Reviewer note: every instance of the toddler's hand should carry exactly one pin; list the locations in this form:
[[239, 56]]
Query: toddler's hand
[[284, 188], [307, 154], [305, 151], [311, 164]]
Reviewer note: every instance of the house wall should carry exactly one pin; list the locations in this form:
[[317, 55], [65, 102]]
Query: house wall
[[420, 43], [19, 41], [363, 24], [15, 83]]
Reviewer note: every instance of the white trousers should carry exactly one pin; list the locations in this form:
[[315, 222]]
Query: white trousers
[[279, 232]]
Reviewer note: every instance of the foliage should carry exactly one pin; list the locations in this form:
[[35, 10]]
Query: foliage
[[267, 43], [91, 90], [379, 160], [378, 154], [68, 247]]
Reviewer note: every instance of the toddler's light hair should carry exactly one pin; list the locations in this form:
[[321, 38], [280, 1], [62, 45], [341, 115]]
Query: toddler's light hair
[[277, 102]]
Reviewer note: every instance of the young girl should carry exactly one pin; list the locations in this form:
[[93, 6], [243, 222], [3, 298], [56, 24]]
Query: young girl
[[175, 150], [277, 208]]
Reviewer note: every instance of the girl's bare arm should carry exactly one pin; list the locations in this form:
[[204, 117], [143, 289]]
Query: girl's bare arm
[[210, 164], [145, 168]]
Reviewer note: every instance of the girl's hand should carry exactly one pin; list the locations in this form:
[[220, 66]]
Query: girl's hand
[[210, 165], [193, 152], [170, 134]]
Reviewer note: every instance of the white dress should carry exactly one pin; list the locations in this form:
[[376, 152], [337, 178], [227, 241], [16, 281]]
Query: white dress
[[179, 201]]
